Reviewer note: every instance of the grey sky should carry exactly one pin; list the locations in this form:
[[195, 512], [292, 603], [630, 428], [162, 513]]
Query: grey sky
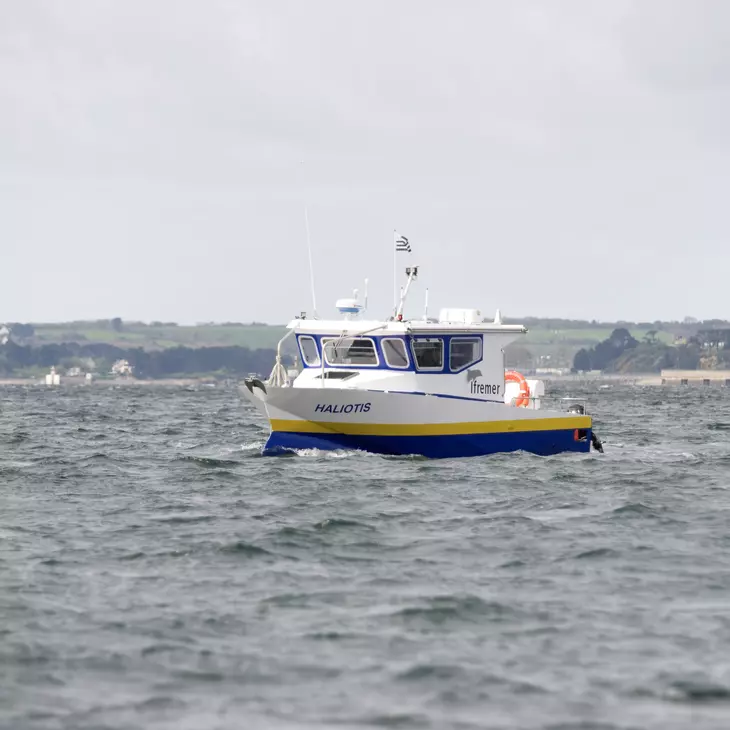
[[563, 158]]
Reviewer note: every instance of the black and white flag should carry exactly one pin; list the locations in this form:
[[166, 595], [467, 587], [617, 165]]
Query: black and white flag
[[401, 244]]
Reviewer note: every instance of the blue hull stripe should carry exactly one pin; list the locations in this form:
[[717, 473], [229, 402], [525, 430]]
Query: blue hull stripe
[[543, 443]]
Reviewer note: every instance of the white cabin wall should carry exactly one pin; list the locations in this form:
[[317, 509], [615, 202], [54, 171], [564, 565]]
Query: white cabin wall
[[483, 380]]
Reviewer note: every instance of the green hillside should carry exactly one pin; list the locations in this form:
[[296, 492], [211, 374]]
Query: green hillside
[[549, 342], [160, 336]]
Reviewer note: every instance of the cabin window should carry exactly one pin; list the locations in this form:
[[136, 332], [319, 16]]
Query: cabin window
[[358, 351], [395, 352], [464, 351], [310, 353], [428, 353]]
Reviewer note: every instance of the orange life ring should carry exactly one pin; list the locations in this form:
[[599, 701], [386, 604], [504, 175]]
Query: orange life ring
[[512, 376]]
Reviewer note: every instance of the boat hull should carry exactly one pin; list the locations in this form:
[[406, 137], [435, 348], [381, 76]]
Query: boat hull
[[415, 424], [543, 443]]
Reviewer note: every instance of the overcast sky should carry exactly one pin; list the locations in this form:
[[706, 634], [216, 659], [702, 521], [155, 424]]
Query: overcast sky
[[563, 158]]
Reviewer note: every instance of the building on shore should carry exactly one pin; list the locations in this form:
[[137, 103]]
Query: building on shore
[[53, 378], [695, 377], [122, 367]]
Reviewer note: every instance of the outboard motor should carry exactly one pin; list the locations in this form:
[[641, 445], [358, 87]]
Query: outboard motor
[[579, 410]]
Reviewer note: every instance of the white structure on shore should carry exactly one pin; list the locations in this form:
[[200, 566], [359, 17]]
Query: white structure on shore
[[695, 377], [53, 378], [122, 367]]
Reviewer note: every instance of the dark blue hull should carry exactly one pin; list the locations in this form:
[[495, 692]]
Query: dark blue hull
[[543, 443]]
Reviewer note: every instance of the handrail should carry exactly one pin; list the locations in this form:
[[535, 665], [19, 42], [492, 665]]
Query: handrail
[[279, 377], [343, 336]]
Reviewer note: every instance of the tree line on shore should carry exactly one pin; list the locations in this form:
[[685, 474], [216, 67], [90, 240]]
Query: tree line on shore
[[98, 357], [623, 353]]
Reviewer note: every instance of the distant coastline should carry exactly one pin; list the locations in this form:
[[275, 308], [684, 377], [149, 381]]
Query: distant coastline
[[117, 382], [166, 352]]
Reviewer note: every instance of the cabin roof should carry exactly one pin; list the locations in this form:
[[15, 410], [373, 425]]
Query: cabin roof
[[393, 327]]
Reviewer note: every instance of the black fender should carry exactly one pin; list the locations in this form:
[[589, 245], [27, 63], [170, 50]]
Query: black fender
[[252, 383]]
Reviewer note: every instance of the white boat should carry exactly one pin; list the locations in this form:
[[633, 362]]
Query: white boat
[[437, 388]]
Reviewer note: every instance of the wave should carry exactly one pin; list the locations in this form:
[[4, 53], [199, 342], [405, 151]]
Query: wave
[[440, 672], [634, 508], [184, 519], [253, 445], [210, 462], [324, 453], [597, 553], [336, 523], [697, 691], [718, 426], [245, 549], [442, 609]]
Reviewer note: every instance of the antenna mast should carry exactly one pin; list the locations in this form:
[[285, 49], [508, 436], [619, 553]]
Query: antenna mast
[[411, 273], [311, 265]]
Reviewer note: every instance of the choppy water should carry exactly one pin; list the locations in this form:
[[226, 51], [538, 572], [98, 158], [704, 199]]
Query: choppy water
[[156, 572]]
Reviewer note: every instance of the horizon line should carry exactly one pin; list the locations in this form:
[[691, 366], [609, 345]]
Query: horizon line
[[257, 323]]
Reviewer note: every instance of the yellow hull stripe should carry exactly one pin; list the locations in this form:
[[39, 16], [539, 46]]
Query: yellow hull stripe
[[431, 429]]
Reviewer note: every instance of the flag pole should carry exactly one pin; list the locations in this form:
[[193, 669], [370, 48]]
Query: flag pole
[[395, 274]]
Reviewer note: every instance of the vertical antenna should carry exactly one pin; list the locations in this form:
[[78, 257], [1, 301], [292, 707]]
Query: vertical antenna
[[366, 296], [425, 307], [311, 266], [395, 275]]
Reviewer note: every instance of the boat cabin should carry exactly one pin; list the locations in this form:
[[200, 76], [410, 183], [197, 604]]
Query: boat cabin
[[458, 358], [458, 355]]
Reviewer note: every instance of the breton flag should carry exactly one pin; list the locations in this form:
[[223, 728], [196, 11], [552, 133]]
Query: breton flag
[[401, 244]]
